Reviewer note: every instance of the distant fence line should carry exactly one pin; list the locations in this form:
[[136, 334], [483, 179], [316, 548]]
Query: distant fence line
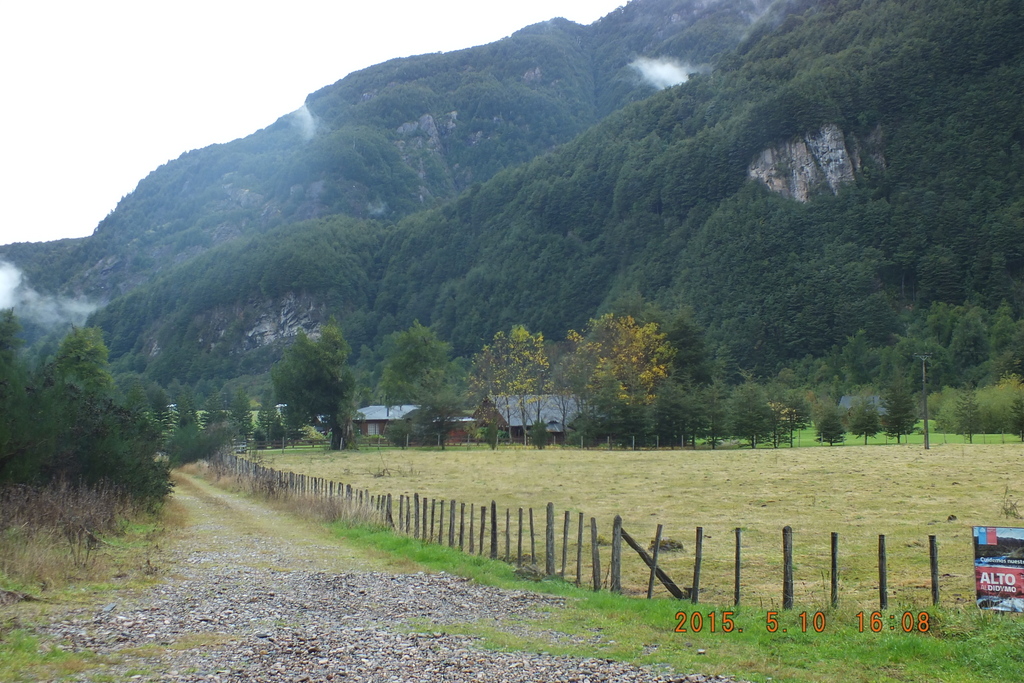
[[425, 519]]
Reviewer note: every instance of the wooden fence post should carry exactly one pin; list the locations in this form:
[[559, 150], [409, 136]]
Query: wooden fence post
[[835, 570], [787, 567], [565, 542], [440, 523], [451, 524], [472, 539], [736, 578], [595, 555], [615, 585], [933, 552], [883, 574], [416, 502], [533, 542], [549, 540], [579, 552], [508, 535], [390, 519], [519, 545], [698, 558], [433, 511], [654, 563], [494, 530], [483, 526], [462, 525]]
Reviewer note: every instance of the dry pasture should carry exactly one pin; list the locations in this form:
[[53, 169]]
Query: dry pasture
[[904, 492]]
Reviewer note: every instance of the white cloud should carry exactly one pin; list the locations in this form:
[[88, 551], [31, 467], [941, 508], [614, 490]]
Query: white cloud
[[42, 309], [664, 73]]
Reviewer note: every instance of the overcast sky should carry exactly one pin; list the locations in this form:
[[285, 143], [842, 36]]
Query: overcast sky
[[98, 94]]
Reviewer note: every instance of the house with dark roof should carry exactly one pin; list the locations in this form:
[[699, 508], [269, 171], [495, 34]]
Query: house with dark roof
[[374, 420], [515, 415]]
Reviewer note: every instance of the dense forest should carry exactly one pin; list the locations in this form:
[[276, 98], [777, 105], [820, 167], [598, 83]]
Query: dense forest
[[539, 181]]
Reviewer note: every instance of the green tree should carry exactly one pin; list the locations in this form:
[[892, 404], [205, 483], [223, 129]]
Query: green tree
[[715, 414], [675, 412], [25, 428], [863, 418], [240, 414], [491, 435], [213, 411], [828, 422], [94, 438], [966, 413], [398, 433], [314, 378], [1016, 423], [539, 435], [442, 402], [899, 409], [268, 422], [750, 416], [412, 355]]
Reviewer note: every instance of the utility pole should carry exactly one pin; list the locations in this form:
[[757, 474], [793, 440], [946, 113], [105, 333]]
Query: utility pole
[[924, 393]]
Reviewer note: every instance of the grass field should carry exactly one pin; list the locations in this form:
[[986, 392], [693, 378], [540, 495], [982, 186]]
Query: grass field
[[903, 491]]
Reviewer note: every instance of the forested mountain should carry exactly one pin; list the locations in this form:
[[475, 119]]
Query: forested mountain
[[836, 186], [388, 141]]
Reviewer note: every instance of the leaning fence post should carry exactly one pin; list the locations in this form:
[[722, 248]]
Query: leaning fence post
[[472, 528], [654, 563], [787, 567], [616, 579], [698, 558], [595, 554], [933, 552]]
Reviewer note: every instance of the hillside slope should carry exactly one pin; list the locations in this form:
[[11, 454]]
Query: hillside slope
[[851, 164], [387, 141]]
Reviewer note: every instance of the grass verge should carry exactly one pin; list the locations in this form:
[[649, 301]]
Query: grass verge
[[63, 548], [753, 643]]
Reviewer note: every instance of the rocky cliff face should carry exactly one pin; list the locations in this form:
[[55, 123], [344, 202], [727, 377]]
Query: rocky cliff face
[[796, 169], [254, 325]]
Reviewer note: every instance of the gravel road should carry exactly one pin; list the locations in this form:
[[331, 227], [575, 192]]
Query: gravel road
[[249, 598]]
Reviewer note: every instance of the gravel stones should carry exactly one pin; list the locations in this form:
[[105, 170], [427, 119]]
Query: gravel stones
[[223, 617]]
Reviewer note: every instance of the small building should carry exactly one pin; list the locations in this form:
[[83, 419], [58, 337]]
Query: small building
[[846, 403], [374, 420], [555, 411]]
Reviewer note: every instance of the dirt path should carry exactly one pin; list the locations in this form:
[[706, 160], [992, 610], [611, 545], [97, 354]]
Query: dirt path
[[253, 595]]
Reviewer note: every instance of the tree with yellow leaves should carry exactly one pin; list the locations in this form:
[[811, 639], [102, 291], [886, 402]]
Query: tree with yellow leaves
[[636, 356], [513, 371]]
